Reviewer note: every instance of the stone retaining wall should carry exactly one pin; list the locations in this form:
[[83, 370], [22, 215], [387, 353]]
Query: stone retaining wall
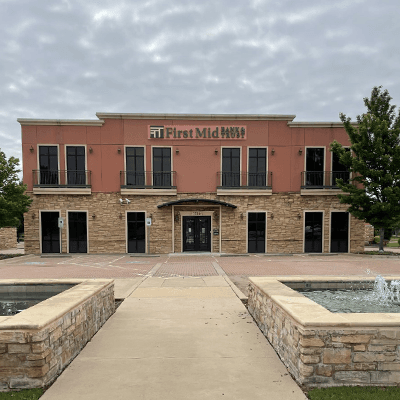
[[328, 355], [8, 238], [33, 355]]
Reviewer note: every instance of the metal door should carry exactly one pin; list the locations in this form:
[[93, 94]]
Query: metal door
[[313, 232], [77, 232], [136, 232], [50, 232], [339, 232], [196, 233]]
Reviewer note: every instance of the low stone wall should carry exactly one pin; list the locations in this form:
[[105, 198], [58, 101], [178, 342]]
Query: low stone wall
[[355, 350], [38, 343], [8, 238]]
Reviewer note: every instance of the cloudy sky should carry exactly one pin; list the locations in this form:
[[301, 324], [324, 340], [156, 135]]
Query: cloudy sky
[[312, 58]]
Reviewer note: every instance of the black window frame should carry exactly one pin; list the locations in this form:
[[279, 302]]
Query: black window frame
[[315, 177], [76, 176], [162, 177], [257, 178], [338, 173], [135, 177], [48, 175], [230, 178]]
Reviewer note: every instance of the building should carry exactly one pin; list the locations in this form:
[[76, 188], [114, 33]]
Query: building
[[163, 183]]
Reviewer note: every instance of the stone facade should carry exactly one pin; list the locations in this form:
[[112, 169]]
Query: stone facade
[[369, 234], [32, 357], [322, 356], [107, 221], [8, 238]]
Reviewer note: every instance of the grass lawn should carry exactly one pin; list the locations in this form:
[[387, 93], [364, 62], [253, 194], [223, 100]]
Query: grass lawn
[[27, 394], [355, 393]]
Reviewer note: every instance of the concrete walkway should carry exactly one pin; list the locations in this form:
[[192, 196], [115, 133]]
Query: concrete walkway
[[177, 338]]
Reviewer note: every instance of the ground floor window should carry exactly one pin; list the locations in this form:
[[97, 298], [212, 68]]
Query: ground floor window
[[136, 232], [196, 233], [50, 232], [313, 232], [77, 232], [339, 232], [256, 232]]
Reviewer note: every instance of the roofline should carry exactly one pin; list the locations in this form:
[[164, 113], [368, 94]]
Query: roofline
[[317, 124], [224, 117], [78, 122]]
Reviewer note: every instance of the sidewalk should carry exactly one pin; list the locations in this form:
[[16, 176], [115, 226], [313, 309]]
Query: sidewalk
[[177, 338]]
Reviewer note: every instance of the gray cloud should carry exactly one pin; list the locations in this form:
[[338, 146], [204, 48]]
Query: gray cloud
[[69, 59]]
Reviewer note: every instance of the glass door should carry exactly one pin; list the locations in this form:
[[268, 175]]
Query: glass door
[[50, 232], [339, 232], [77, 232], [313, 232]]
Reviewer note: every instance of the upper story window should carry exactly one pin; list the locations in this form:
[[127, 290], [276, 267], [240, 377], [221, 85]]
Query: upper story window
[[314, 166], [162, 174], [48, 165], [135, 174], [339, 171], [230, 167], [76, 165], [257, 173]]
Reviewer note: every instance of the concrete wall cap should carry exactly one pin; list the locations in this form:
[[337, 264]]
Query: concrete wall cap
[[78, 122]]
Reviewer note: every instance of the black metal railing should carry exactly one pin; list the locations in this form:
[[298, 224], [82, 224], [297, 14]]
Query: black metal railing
[[61, 178], [148, 180], [244, 180], [323, 179]]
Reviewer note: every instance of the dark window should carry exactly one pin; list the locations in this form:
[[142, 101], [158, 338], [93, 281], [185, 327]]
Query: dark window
[[256, 232], [313, 232], [136, 232], [50, 232], [162, 167], [77, 228], [231, 167], [257, 167], [48, 165], [339, 171], [315, 167], [135, 166], [339, 232], [76, 165]]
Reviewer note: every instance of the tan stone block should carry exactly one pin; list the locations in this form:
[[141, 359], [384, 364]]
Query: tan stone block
[[38, 356], [359, 347], [310, 359], [19, 348], [55, 335], [371, 357], [389, 366], [37, 372], [364, 366], [352, 377], [384, 377], [337, 356], [305, 370], [324, 370], [39, 347], [381, 348], [352, 339], [12, 337], [311, 342]]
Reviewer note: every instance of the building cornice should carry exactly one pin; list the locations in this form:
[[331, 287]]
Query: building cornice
[[318, 124], [70, 122], [218, 117]]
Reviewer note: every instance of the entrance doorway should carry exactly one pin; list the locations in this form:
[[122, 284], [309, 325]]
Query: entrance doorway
[[256, 232], [77, 232], [136, 232], [339, 232], [196, 233], [313, 232], [50, 232]]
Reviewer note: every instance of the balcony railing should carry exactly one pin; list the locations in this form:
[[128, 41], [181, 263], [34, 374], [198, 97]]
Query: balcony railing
[[244, 180], [61, 178], [148, 180], [323, 179]]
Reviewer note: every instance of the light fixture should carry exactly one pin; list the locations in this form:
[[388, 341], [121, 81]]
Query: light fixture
[[120, 215], [273, 151], [31, 149], [177, 216], [300, 151], [94, 216], [272, 215], [119, 150], [216, 151], [299, 216], [177, 151], [33, 216], [241, 216], [90, 150], [127, 201]]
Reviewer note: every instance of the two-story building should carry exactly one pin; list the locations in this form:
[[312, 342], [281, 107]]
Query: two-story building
[[166, 183]]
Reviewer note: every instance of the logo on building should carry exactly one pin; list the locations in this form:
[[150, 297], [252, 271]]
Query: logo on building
[[193, 132]]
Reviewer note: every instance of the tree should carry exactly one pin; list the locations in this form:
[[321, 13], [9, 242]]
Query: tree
[[13, 202], [373, 192]]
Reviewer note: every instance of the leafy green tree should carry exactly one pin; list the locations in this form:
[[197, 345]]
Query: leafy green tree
[[373, 192], [13, 202]]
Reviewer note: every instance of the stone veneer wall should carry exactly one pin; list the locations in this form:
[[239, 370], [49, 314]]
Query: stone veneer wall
[[369, 233], [285, 230], [34, 358], [8, 238], [329, 356]]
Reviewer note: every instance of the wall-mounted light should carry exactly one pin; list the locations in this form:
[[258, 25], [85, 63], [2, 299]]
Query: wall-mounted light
[[300, 151], [33, 216], [119, 150], [298, 216], [90, 150], [177, 216], [120, 215], [216, 151], [94, 216], [241, 216], [272, 215], [273, 151], [177, 151], [31, 149]]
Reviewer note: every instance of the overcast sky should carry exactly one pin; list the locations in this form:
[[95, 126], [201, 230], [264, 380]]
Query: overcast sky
[[313, 58]]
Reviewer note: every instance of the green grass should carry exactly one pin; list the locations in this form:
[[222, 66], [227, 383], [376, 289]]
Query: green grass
[[4, 256], [355, 393], [27, 394]]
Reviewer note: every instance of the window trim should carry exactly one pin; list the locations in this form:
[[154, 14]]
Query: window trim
[[266, 161], [172, 163], [144, 160], [247, 228]]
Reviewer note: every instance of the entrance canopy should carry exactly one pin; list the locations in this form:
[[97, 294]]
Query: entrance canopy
[[183, 201]]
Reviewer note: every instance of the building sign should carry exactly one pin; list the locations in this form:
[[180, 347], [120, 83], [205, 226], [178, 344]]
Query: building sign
[[193, 132]]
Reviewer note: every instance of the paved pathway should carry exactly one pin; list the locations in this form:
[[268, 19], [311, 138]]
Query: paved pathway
[[178, 338]]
